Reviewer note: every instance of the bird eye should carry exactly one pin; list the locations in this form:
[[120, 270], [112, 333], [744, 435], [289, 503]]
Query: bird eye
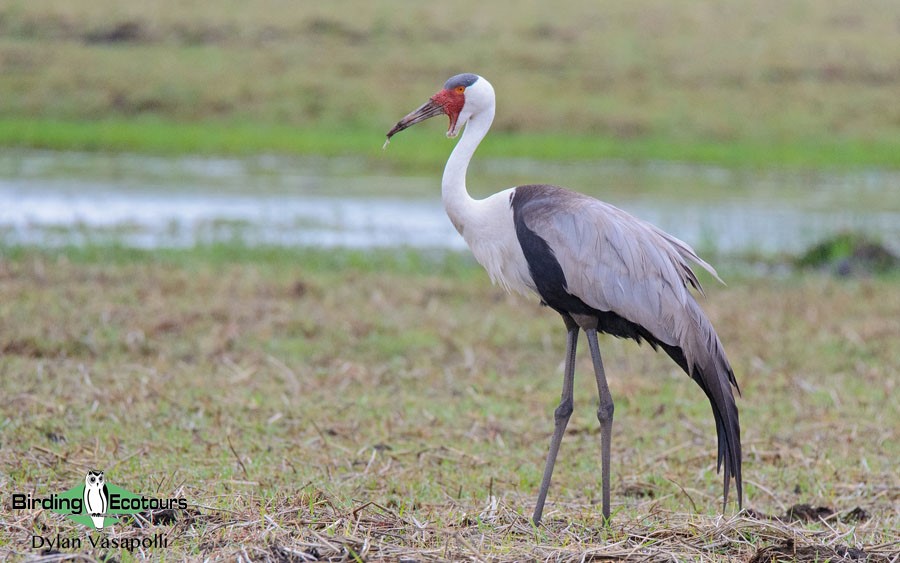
[[460, 89], [92, 479]]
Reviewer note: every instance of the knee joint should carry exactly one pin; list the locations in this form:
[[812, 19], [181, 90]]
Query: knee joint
[[563, 411], [605, 411]]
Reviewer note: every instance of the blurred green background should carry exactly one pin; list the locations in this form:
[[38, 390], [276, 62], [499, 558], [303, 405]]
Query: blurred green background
[[780, 82]]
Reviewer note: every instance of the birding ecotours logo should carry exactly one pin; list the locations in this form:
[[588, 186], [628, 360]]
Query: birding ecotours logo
[[98, 504], [95, 503]]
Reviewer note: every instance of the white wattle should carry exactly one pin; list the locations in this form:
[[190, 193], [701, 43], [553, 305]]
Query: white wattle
[[486, 224]]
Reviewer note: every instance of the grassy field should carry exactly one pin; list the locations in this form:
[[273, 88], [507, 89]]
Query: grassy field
[[349, 406], [803, 83]]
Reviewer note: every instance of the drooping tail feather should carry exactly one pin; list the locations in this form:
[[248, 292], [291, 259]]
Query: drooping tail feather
[[713, 373]]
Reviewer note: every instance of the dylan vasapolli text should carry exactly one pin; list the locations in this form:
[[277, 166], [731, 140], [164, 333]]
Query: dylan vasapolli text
[[101, 542]]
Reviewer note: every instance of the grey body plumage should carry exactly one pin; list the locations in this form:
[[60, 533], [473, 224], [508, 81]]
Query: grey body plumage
[[625, 277]]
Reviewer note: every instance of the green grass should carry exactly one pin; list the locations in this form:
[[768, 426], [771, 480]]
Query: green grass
[[800, 84], [372, 403], [151, 135], [424, 149]]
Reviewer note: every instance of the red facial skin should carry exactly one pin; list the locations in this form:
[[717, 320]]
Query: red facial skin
[[449, 102], [452, 101]]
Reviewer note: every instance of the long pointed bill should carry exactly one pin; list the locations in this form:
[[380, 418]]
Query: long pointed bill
[[427, 110]]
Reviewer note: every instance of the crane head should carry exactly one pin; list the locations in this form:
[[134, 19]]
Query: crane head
[[450, 100]]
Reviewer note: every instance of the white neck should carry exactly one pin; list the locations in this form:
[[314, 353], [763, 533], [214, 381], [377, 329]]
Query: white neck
[[457, 202]]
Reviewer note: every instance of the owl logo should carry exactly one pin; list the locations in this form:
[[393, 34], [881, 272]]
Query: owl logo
[[96, 497]]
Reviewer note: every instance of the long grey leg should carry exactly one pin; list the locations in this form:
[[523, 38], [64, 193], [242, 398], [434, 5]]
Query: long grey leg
[[604, 415], [560, 416]]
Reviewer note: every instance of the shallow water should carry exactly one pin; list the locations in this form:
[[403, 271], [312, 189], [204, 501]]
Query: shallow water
[[51, 198]]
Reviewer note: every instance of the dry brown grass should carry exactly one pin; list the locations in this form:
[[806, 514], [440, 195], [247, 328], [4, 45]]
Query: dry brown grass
[[319, 407]]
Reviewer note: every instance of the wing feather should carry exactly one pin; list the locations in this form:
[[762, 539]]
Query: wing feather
[[615, 262]]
